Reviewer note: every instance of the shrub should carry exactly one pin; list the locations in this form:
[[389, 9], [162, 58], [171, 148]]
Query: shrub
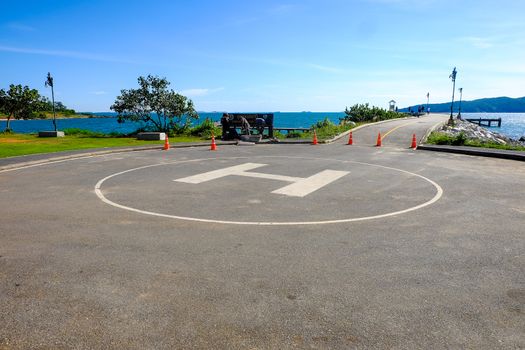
[[438, 138], [83, 133], [360, 113], [294, 134], [116, 134], [459, 140], [326, 123], [326, 129], [205, 129], [279, 135]]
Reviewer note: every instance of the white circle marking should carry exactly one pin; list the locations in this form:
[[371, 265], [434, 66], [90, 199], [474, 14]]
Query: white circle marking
[[437, 196]]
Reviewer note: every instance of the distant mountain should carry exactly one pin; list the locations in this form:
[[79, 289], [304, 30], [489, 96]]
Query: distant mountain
[[489, 105]]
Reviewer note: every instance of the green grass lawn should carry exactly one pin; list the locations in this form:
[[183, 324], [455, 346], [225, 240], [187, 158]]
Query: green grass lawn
[[23, 144], [439, 138], [323, 133]]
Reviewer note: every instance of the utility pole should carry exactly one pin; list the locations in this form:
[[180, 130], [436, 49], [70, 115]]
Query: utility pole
[[460, 96], [428, 98], [453, 77], [49, 82]]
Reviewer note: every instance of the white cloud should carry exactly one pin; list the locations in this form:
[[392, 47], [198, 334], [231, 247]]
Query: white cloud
[[478, 42], [62, 53], [199, 92], [325, 68], [195, 92]]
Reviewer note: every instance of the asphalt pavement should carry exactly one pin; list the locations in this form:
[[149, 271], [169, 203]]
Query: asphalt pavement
[[265, 247]]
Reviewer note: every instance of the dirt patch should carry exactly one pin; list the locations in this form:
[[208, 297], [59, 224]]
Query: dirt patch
[[2, 140]]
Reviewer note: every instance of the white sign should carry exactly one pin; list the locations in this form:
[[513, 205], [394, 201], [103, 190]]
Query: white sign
[[299, 186]]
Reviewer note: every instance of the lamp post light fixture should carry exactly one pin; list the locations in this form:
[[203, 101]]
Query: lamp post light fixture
[[460, 96], [49, 82], [428, 99], [453, 77]]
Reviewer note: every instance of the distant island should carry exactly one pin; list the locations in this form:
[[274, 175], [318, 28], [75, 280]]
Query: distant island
[[487, 105]]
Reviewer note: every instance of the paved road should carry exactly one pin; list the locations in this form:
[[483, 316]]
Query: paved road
[[396, 133], [266, 247]]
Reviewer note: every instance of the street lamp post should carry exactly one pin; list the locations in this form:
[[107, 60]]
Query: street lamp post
[[428, 98], [49, 82], [460, 96], [453, 77]]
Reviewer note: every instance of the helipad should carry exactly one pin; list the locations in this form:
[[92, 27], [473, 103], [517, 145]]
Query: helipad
[[283, 190]]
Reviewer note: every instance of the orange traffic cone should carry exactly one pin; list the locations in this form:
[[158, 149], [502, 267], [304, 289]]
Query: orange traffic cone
[[213, 145], [414, 142], [378, 144], [350, 140], [166, 144], [314, 142]]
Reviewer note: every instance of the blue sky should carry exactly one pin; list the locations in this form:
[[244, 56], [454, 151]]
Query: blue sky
[[314, 55]]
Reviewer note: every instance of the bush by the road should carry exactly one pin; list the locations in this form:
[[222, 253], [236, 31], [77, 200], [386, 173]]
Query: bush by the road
[[360, 113]]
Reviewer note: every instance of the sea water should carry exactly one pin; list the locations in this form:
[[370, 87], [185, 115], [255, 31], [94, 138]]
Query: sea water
[[512, 124], [108, 125]]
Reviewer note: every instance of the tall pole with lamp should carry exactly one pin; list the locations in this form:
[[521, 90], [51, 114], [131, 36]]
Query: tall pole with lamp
[[49, 82], [428, 98], [460, 96], [453, 77]]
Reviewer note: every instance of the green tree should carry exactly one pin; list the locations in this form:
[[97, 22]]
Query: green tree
[[19, 102], [47, 106], [156, 106]]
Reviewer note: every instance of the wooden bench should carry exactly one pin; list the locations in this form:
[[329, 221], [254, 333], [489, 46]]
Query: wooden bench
[[258, 122]]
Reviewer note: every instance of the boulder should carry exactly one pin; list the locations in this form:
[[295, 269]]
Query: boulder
[[474, 131]]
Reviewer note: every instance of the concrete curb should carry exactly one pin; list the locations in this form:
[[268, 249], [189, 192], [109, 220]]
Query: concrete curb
[[475, 151], [429, 131]]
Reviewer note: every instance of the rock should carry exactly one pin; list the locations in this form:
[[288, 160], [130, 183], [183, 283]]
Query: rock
[[474, 131]]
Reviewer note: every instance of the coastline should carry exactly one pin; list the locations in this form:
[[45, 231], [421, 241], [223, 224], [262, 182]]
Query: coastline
[[75, 116]]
